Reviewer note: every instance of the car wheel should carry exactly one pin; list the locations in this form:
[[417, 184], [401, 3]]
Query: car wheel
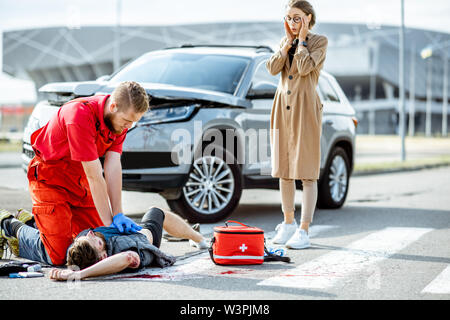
[[334, 184], [212, 191]]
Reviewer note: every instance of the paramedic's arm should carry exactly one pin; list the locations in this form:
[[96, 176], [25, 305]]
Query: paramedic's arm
[[110, 265], [113, 178], [99, 191]]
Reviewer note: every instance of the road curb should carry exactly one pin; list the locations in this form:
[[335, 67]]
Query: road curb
[[9, 166], [396, 170], [355, 173]]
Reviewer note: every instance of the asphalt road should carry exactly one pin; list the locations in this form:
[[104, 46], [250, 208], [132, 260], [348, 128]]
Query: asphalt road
[[389, 241]]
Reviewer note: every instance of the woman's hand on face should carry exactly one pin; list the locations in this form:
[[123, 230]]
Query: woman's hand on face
[[304, 29], [290, 36]]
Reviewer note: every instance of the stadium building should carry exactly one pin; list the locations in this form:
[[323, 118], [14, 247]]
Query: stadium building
[[364, 59]]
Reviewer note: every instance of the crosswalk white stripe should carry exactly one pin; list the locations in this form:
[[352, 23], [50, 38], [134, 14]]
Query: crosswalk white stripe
[[326, 270], [312, 232], [190, 268], [193, 267], [440, 284]]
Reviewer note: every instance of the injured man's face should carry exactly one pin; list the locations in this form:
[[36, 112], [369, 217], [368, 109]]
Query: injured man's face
[[87, 250], [97, 242]]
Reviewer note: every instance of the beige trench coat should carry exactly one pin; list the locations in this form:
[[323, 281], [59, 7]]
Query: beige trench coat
[[296, 117]]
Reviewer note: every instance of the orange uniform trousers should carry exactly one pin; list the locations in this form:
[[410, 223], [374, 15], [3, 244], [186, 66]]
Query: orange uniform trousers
[[62, 204]]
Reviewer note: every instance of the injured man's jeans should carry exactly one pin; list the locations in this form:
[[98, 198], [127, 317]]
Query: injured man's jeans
[[31, 246]]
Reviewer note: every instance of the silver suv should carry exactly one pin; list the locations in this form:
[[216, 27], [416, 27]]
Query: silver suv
[[206, 137]]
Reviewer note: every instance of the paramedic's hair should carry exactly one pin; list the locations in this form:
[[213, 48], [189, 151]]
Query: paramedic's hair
[[131, 94], [306, 7]]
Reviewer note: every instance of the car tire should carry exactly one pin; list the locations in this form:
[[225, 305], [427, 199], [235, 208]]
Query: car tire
[[213, 189], [333, 187]]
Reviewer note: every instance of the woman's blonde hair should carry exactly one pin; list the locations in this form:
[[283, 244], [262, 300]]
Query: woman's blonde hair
[[306, 7]]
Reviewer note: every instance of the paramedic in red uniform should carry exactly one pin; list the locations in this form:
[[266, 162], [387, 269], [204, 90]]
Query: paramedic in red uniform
[[66, 182]]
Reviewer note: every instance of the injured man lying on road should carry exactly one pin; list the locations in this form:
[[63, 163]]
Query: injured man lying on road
[[103, 250]]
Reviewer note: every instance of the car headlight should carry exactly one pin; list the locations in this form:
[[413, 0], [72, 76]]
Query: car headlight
[[33, 123], [162, 115]]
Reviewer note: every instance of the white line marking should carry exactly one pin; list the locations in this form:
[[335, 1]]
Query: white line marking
[[191, 268], [194, 267], [440, 284], [325, 270], [269, 234], [316, 229], [312, 232]]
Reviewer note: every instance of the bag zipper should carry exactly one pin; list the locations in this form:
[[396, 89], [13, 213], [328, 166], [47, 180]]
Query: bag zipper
[[237, 232]]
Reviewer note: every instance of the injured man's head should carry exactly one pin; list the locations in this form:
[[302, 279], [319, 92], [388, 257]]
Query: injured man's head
[[87, 250]]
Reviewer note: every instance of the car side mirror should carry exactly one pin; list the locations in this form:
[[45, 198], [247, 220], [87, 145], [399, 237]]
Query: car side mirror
[[262, 90]]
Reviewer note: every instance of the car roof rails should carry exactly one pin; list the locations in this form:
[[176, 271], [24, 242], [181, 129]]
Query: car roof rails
[[258, 48]]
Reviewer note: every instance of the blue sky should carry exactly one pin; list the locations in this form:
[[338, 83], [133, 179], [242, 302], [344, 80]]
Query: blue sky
[[17, 14]]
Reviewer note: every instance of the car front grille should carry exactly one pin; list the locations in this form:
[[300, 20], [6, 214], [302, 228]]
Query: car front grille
[[130, 160], [27, 150], [146, 160]]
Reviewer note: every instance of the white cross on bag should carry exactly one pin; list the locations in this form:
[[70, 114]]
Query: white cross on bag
[[243, 247]]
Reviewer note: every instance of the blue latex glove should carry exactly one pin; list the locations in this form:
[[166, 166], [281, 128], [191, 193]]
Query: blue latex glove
[[125, 224]]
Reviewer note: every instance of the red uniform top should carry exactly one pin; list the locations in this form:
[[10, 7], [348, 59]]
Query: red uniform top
[[77, 132], [62, 201]]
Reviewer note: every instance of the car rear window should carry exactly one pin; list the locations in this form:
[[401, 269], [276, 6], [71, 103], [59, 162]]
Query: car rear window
[[210, 72]]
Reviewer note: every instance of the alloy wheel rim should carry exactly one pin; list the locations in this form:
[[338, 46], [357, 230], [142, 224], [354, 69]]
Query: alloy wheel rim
[[210, 185], [338, 178]]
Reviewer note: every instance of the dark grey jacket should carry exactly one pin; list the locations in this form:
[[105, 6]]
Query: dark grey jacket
[[137, 242], [148, 253]]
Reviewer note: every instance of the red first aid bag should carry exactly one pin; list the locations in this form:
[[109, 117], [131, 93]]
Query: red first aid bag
[[238, 245]]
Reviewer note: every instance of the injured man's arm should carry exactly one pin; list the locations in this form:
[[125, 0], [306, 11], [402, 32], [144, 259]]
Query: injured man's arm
[[89, 254], [89, 249], [109, 265]]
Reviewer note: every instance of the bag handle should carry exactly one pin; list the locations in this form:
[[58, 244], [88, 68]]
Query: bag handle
[[232, 221], [210, 250]]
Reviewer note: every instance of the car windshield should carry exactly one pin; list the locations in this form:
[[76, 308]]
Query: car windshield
[[209, 72]]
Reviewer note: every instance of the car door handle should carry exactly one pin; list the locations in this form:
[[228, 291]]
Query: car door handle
[[329, 122]]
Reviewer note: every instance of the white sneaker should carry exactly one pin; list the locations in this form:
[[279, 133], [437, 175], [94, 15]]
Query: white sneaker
[[199, 245], [284, 232], [300, 240]]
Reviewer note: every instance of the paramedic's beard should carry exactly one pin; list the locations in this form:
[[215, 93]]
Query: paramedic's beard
[[109, 123]]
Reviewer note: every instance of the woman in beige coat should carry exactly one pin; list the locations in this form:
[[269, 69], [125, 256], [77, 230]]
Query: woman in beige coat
[[296, 120]]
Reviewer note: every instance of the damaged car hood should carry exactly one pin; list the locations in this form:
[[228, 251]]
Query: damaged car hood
[[156, 90]]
